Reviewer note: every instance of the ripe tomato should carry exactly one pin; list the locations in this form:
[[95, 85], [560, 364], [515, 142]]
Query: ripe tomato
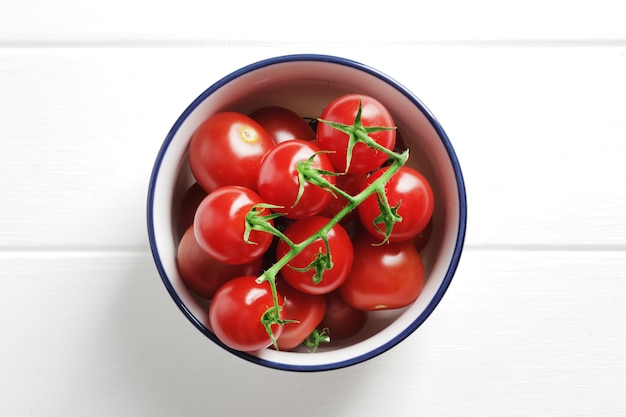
[[279, 182], [341, 255], [220, 224], [202, 273], [344, 110], [236, 311], [308, 310], [411, 190], [283, 124], [383, 277], [227, 149], [341, 319]]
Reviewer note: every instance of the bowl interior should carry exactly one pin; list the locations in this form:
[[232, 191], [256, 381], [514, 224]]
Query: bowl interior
[[306, 84]]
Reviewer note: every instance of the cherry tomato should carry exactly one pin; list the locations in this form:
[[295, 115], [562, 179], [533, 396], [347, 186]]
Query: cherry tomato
[[236, 311], [341, 319], [344, 110], [279, 182], [283, 124], [204, 274], [341, 255], [308, 310], [227, 149], [383, 277], [190, 201], [411, 190], [220, 224]]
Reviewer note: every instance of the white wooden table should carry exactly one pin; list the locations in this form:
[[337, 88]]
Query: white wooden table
[[533, 97]]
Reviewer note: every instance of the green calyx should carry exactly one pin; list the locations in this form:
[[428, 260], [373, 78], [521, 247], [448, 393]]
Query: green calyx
[[388, 216], [271, 317], [256, 220], [357, 132], [315, 338], [323, 261], [268, 319], [309, 174]]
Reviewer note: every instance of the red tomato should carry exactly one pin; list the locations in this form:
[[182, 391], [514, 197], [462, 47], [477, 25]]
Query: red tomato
[[283, 124], [236, 311], [227, 149], [188, 205], [344, 110], [308, 310], [412, 191], [204, 274], [279, 181], [383, 277], [351, 184], [341, 255], [341, 319], [220, 224]]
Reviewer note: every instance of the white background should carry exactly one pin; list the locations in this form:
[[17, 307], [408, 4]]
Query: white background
[[533, 97]]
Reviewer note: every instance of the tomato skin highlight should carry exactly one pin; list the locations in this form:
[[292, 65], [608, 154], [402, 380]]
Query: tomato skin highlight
[[341, 252], [283, 124], [383, 277], [227, 149], [279, 183], [219, 226], [236, 310], [411, 190], [344, 110], [308, 310]]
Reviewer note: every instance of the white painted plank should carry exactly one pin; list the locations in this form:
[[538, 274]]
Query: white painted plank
[[517, 334], [325, 21], [538, 131]]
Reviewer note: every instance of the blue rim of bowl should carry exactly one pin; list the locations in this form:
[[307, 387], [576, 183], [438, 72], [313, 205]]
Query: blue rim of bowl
[[457, 249]]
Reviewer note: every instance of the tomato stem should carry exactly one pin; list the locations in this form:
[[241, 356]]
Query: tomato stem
[[308, 173], [317, 177], [388, 215], [315, 338], [322, 262], [357, 132], [272, 314], [378, 186], [255, 220]]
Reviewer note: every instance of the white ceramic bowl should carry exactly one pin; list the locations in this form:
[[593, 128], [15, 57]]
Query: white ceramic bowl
[[305, 84]]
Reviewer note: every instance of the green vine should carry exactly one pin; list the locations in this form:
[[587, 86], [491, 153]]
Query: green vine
[[256, 219], [315, 338], [322, 262]]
